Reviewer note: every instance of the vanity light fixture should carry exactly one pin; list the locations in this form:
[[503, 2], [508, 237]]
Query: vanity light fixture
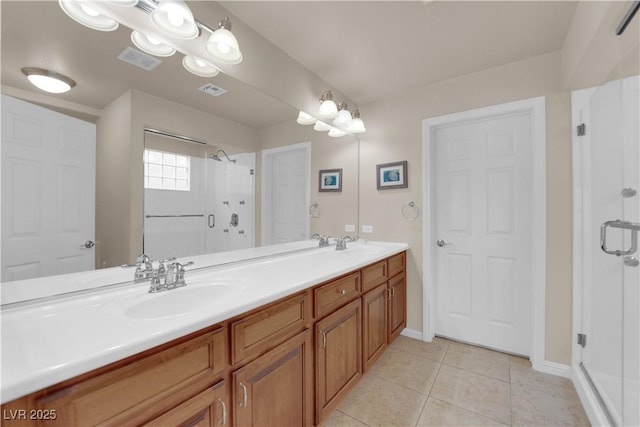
[[335, 132], [344, 116], [87, 16], [49, 81], [305, 119], [151, 45], [321, 126], [175, 18], [328, 108], [223, 45], [199, 67], [356, 125]]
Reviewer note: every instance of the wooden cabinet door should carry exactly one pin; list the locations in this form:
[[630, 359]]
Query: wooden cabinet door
[[374, 321], [207, 409], [397, 306], [276, 388], [338, 356]]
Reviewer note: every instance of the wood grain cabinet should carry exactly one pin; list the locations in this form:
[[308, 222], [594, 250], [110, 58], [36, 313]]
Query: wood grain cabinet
[[374, 321], [397, 316], [338, 356], [276, 389]]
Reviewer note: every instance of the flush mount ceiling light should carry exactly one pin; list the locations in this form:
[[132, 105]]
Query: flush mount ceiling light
[[305, 119], [222, 44], [199, 67], [49, 81], [151, 45], [328, 108], [82, 12], [175, 18]]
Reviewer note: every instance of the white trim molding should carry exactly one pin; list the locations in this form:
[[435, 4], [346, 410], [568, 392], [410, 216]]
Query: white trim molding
[[536, 108], [412, 333]]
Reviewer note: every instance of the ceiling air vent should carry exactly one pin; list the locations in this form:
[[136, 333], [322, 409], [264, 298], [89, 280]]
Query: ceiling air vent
[[212, 90], [139, 59]]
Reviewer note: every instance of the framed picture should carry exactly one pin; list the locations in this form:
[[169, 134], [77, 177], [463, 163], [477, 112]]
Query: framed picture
[[392, 175], [330, 180]]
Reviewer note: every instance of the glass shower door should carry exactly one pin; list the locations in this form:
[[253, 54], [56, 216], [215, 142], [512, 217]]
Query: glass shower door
[[612, 280]]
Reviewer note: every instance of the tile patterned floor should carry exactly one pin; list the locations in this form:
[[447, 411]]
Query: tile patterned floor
[[445, 383]]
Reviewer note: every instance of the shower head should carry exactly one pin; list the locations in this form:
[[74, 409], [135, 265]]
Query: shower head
[[218, 159]]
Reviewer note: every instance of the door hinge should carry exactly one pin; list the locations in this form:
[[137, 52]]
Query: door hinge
[[581, 129], [582, 340], [250, 171]]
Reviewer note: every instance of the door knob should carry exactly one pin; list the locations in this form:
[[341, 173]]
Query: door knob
[[631, 261], [441, 243], [87, 245]]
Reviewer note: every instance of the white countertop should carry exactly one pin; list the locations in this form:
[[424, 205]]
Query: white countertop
[[46, 342]]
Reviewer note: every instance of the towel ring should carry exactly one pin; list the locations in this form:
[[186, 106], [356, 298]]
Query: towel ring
[[406, 208], [314, 210]]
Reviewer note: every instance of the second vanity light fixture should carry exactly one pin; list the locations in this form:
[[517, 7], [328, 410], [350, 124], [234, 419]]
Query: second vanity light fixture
[[173, 22], [334, 118]]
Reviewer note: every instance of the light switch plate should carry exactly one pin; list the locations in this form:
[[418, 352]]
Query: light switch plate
[[367, 228], [349, 228]]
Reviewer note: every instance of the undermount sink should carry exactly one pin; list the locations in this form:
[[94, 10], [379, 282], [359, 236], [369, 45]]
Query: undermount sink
[[181, 301]]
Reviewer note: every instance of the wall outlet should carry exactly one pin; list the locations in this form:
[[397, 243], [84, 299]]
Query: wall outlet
[[349, 228], [367, 228]]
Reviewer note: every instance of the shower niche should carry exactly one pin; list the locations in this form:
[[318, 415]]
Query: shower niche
[[197, 199]]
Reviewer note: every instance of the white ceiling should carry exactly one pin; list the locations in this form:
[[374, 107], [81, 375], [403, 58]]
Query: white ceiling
[[369, 50]]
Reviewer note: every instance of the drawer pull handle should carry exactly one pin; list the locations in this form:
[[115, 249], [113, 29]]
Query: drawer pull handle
[[343, 292], [223, 421], [393, 291], [324, 339], [243, 404]]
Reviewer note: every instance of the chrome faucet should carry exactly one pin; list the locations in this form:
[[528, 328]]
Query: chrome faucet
[[341, 243], [323, 240], [168, 278], [144, 269]]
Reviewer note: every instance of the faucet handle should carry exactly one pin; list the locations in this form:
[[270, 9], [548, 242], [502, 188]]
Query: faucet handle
[[176, 272]]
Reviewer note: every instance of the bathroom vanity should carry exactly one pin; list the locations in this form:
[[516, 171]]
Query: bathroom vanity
[[276, 341]]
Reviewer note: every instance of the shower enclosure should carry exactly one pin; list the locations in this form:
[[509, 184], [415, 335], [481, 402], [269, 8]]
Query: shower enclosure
[[197, 200], [607, 274]]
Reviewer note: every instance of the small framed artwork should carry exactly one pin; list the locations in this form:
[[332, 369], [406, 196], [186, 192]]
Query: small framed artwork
[[392, 175], [330, 180]]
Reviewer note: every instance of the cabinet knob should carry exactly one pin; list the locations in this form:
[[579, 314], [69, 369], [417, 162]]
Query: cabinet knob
[[343, 292]]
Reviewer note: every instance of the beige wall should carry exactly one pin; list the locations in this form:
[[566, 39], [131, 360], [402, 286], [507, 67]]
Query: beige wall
[[336, 209]]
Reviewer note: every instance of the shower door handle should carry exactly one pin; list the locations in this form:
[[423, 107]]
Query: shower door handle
[[211, 220], [624, 225]]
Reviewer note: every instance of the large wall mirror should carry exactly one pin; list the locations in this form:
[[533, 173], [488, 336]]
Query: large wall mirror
[[139, 115]]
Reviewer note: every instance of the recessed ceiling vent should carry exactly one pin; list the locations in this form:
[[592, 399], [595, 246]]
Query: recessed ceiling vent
[[212, 90], [139, 59]]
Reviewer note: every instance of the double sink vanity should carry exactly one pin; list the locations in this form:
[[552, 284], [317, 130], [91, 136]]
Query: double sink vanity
[[274, 340]]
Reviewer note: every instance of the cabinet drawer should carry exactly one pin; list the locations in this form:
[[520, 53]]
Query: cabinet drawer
[[396, 264], [269, 327], [146, 387], [374, 275], [335, 294]]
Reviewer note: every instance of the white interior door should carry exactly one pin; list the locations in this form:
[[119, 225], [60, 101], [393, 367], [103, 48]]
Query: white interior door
[[286, 193], [611, 296], [48, 192], [482, 181]]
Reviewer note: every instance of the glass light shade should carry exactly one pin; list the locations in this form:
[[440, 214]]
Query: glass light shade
[[83, 13], [328, 109], [48, 81], [175, 18], [343, 119], [356, 126], [321, 126], [305, 119], [223, 47], [150, 45], [124, 3], [335, 132], [199, 67]]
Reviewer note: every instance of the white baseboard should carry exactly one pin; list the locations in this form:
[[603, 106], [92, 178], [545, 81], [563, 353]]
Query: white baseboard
[[412, 333], [596, 415], [553, 368]]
